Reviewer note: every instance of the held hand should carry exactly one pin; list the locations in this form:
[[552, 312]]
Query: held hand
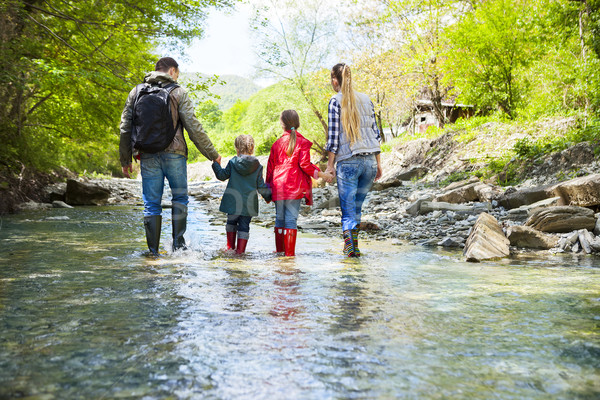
[[218, 160], [379, 172], [328, 177], [331, 172], [127, 170]]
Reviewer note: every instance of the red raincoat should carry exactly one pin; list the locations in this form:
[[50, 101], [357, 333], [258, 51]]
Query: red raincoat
[[290, 177]]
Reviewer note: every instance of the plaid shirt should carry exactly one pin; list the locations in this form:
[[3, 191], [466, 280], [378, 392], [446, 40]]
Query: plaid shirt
[[335, 126]]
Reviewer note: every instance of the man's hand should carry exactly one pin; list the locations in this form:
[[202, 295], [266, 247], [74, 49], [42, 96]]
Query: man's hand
[[218, 160], [127, 170]]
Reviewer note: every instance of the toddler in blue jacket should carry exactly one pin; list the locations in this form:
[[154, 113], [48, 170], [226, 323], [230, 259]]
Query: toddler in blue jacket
[[240, 199]]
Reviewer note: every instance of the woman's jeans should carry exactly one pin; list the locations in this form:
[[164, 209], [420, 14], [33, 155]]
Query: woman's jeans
[[355, 177], [286, 213], [239, 224], [155, 168]]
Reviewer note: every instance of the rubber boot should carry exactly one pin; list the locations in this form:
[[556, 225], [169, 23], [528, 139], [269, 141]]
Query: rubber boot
[[290, 242], [348, 244], [241, 246], [355, 241], [231, 240], [279, 240], [152, 224], [179, 221]]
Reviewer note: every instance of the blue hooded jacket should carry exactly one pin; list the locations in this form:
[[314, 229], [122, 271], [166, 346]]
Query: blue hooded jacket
[[245, 180]]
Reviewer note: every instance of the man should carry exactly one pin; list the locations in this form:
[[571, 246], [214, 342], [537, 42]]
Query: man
[[169, 163]]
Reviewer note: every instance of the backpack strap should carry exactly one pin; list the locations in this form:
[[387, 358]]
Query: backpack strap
[[169, 88]]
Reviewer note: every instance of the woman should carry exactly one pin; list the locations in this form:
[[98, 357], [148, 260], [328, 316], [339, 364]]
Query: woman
[[353, 145]]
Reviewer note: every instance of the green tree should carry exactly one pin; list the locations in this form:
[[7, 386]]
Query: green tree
[[66, 69], [492, 46]]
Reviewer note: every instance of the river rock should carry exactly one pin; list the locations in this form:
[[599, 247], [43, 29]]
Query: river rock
[[462, 194], [415, 206], [55, 192], [60, 204], [562, 219], [486, 241], [388, 183], [406, 174], [81, 193], [525, 196], [476, 208], [526, 236], [583, 191], [585, 239], [523, 212], [33, 206]]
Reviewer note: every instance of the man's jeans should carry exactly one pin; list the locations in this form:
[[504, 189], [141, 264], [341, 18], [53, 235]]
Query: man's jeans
[[355, 177], [286, 213], [155, 168]]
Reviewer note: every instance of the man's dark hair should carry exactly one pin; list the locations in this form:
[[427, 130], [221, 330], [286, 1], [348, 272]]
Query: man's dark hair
[[166, 63]]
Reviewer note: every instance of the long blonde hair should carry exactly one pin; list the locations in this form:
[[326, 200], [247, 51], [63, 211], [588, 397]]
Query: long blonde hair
[[291, 122], [350, 115]]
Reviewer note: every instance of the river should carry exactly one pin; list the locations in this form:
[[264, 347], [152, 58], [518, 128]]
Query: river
[[84, 315]]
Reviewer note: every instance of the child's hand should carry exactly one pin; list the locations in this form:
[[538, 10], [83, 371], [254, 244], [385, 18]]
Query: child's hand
[[328, 177]]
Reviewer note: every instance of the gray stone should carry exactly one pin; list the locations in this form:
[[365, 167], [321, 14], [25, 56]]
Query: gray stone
[[450, 242], [462, 194], [415, 207], [522, 197], [585, 240], [81, 193], [33, 206], [332, 202], [429, 206], [486, 241], [60, 204], [527, 237], [561, 219], [583, 191], [58, 218], [389, 183], [597, 225]]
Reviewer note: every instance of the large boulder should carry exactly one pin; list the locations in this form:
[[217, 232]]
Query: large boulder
[[562, 219], [525, 196], [82, 193], [486, 241], [523, 212], [583, 191], [526, 236], [461, 194]]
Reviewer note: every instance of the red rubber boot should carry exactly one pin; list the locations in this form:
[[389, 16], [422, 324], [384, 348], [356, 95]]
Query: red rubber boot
[[241, 246], [231, 240], [290, 242], [279, 240]]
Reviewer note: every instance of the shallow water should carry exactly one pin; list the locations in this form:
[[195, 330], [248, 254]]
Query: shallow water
[[84, 315]]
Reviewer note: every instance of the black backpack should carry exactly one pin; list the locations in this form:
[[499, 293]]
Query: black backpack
[[152, 129]]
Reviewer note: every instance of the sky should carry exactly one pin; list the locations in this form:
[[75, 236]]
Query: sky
[[226, 48]]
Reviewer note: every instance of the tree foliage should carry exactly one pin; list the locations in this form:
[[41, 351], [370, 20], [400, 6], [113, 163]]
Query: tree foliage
[[67, 67]]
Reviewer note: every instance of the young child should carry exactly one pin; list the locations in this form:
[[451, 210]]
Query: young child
[[289, 174], [240, 199]]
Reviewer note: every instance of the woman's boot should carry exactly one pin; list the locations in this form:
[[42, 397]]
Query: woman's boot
[[179, 221], [348, 244], [152, 224], [290, 242], [279, 240], [355, 241]]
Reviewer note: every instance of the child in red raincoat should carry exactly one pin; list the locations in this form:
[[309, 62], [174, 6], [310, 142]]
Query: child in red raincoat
[[289, 173]]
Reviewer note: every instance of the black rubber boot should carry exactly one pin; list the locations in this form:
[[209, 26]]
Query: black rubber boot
[[152, 225], [179, 214]]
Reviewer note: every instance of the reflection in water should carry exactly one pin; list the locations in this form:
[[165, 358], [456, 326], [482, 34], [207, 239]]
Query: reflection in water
[[287, 291], [84, 315]]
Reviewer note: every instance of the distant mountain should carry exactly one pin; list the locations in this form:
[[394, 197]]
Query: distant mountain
[[235, 88]]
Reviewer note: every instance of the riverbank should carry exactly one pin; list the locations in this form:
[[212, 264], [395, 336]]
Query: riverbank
[[432, 193]]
